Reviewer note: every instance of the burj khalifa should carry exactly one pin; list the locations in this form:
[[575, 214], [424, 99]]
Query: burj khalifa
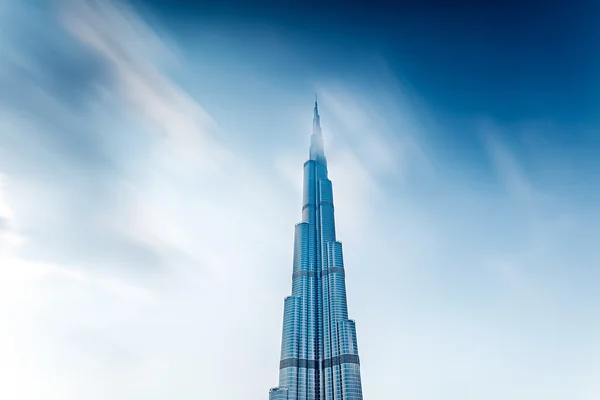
[[319, 353]]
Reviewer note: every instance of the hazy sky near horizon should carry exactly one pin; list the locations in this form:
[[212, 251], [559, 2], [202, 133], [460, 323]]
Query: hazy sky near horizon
[[150, 178]]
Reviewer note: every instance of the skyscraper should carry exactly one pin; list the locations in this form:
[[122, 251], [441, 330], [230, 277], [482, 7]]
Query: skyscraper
[[319, 354]]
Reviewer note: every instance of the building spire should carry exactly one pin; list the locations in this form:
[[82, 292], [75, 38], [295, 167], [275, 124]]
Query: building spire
[[316, 139], [316, 118]]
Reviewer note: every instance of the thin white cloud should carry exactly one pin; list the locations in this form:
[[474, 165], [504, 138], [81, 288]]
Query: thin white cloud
[[508, 169]]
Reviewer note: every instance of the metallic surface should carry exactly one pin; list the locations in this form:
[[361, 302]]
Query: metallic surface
[[319, 353]]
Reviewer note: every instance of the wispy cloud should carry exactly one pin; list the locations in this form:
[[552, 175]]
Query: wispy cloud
[[132, 49], [512, 176]]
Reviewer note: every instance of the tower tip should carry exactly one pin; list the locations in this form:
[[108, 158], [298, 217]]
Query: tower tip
[[316, 119]]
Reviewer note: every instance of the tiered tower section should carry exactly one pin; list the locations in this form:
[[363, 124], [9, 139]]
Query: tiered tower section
[[319, 353]]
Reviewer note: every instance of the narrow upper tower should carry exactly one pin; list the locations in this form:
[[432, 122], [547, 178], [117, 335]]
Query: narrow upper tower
[[316, 118], [316, 139]]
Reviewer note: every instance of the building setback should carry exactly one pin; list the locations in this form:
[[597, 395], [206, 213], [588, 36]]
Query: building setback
[[319, 353]]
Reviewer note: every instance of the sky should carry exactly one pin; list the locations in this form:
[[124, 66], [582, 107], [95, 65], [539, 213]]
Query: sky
[[150, 178]]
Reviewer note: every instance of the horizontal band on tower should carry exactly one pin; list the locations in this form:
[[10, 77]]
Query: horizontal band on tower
[[314, 274], [322, 202], [314, 364], [299, 363], [339, 360]]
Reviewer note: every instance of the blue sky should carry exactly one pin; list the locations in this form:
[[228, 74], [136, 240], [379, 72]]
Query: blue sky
[[150, 178]]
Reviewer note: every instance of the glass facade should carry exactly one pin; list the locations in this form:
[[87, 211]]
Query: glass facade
[[319, 353]]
